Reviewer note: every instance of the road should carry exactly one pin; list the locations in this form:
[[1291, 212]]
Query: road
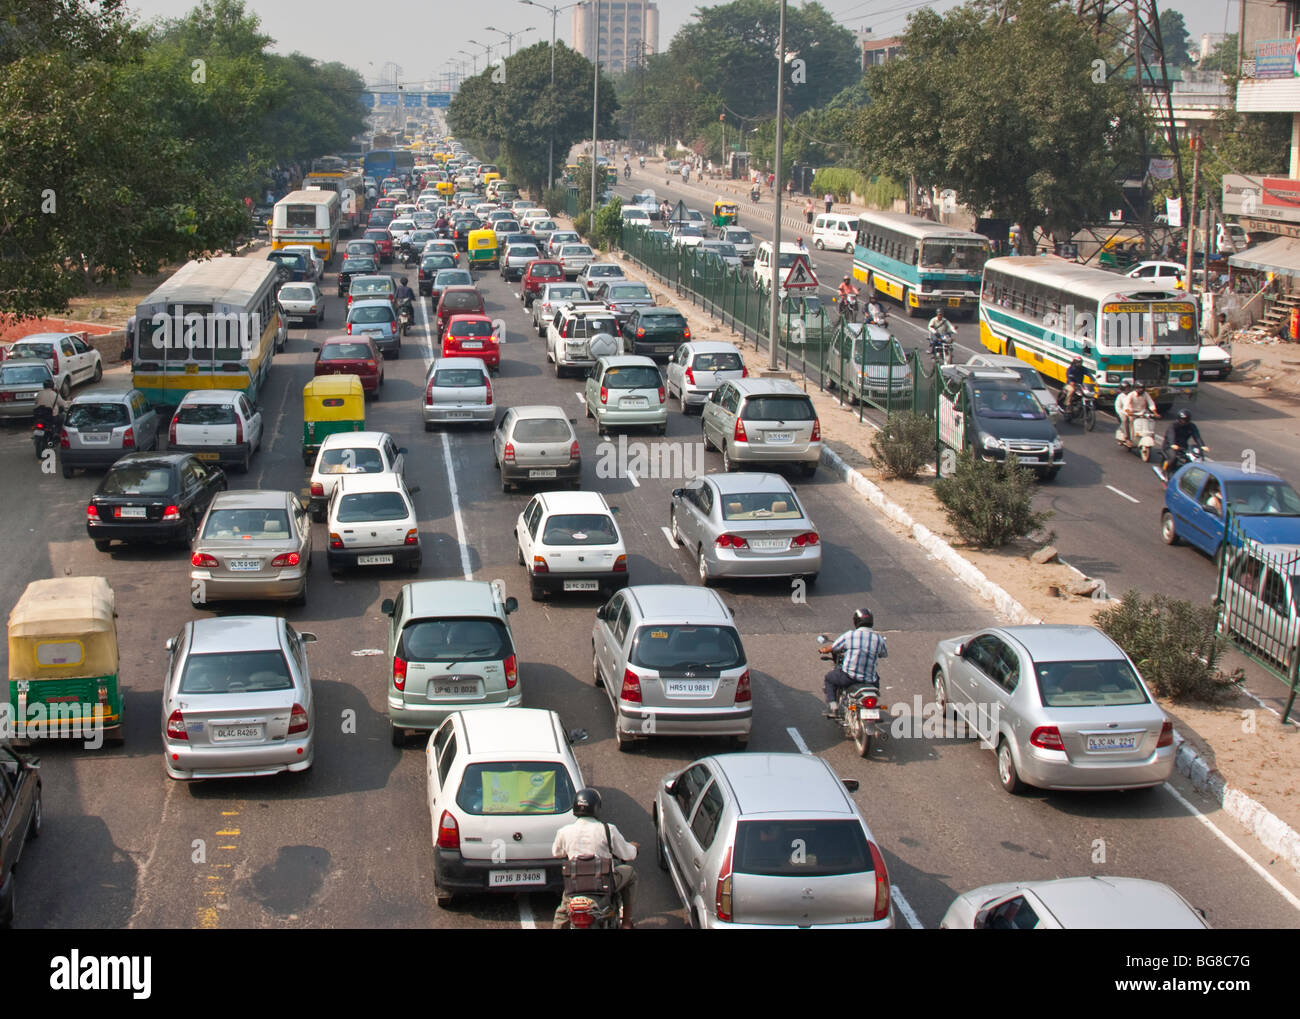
[[347, 844]]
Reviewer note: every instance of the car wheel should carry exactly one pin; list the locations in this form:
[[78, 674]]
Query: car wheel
[[727, 465], [34, 829], [595, 670], [299, 599], [808, 470], [702, 568], [1007, 768], [245, 462], [505, 485], [559, 373], [587, 407], [739, 742], [8, 901], [819, 245], [810, 579], [676, 531], [66, 389], [398, 736], [535, 590], [442, 897], [318, 515], [704, 434], [187, 535], [941, 695], [68, 471], [625, 743], [101, 545], [1167, 529], [1219, 554], [519, 551], [1050, 475], [661, 857], [99, 372]]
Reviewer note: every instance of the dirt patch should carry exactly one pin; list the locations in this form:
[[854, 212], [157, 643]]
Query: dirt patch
[[1266, 366]]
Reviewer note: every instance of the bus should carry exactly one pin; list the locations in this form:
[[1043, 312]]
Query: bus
[[919, 263], [381, 163], [1047, 311], [350, 188], [307, 217], [212, 325]]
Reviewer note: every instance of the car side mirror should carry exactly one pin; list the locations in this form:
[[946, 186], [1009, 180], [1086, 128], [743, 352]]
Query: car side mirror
[[307, 637], [601, 613], [678, 493], [960, 651], [414, 489], [512, 605], [573, 421], [386, 607], [981, 920], [170, 644], [401, 451], [577, 736], [851, 784]]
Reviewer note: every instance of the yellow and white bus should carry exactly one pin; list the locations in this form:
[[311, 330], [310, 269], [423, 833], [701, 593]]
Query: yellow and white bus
[[351, 189], [1047, 311], [919, 263], [307, 217]]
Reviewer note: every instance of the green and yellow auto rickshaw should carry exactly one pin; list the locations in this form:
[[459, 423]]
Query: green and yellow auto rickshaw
[[330, 404], [481, 249], [63, 661], [725, 213]]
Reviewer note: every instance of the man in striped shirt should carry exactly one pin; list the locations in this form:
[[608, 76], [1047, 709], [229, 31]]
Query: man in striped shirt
[[861, 647]]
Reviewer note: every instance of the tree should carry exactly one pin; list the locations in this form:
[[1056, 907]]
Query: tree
[[1175, 38], [1224, 56]]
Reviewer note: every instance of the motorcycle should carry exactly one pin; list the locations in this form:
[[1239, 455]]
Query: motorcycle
[[45, 431], [1144, 436], [590, 899], [642, 162], [941, 346], [627, 171], [343, 285], [409, 256], [1082, 406], [848, 304], [754, 195], [407, 312], [858, 708], [1182, 456]]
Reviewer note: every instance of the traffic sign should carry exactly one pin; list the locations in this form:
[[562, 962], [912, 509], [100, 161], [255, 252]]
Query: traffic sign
[[679, 213], [800, 274]]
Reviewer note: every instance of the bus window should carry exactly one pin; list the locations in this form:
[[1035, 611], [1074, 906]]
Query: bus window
[[301, 217]]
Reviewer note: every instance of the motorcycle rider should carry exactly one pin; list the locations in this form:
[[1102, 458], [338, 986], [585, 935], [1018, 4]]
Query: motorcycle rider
[[848, 295], [862, 647], [588, 835], [1183, 434], [49, 406], [405, 298], [1139, 402], [940, 330], [875, 310], [1124, 433]]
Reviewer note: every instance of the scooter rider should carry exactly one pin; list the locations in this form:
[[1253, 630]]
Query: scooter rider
[[1182, 434], [1139, 402], [875, 310], [1124, 433], [588, 835], [405, 299], [940, 330], [862, 647]]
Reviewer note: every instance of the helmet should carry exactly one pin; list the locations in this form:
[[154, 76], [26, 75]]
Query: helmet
[[1140, 388], [586, 803], [847, 278], [863, 617], [1126, 385], [404, 281], [1184, 416], [1077, 360]]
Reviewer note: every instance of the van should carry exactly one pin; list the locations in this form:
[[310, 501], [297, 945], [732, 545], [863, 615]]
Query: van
[[762, 274], [836, 231]]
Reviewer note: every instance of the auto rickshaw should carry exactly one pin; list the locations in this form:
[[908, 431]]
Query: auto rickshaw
[[481, 249], [725, 213], [488, 178], [330, 404], [1120, 252], [445, 187], [63, 661]]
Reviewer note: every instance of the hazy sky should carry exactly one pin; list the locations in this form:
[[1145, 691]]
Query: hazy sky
[[423, 36]]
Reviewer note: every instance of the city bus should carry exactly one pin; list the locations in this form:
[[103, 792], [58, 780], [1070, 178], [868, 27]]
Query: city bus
[[212, 325], [919, 263], [351, 189], [307, 217], [381, 163], [1047, 311]]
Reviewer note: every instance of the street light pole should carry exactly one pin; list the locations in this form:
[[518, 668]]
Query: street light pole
[[774, 318], [595, 109], [510, 37]]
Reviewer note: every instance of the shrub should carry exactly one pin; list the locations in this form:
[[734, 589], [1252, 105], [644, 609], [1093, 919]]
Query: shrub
[[1174, 645], [904, 445], [989, 503], [556, 199], [609, 224], [879, 192], [582, 224]]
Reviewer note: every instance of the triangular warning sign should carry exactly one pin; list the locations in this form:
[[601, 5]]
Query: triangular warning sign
[[679, 213], [800, 274]]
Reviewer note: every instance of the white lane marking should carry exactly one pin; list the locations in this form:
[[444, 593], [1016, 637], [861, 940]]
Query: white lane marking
[[632, 478], [455, 507], [526, 920], [366, 652], [904, 907], [1123, 495], [798, 740], [1277, 886], [669, 535], [582, 397]]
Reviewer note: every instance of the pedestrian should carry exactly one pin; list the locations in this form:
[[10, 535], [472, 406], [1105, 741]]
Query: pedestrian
[[808, 211], [830, 200]]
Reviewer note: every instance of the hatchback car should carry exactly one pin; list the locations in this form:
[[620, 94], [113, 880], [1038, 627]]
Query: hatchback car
[[600, 272], [378, 232], [20, 380], [1073, 903], [152, 497], [501, 784], [348, 355], [698, 368], [356, 265], [252, 545], [70, 358], [449, 276], [472, 336], [548, 300], [542, 229], [369, 288], [1062, 706], [622, 297], [377, 320], [430, 264], [769, 840], [99, 428], [1265, 508], [20, 820], [536, 443], [745, 525], [575, 258], [655, 332], [237, 699], [516, 259], [451, 649], [568, 541], [351, 453], [672, 664], [218, 426], [458, 389], [558, 239], [372, 522], [537, 274], [302, 301], [762, 421], [1259, 598], [625, 391], [315, 264]]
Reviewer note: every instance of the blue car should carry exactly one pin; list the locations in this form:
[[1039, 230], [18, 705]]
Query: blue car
[[1266, 508]]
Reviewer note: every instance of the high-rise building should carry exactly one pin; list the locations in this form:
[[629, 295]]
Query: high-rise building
[[628, 32]]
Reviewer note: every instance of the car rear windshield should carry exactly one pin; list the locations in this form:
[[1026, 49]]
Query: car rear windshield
[[351, 460], [365, 506], [1263, 498], [455, 639], [680, 647], [462, 302], [298, 292], [760, 506], [438, 260], [470, 327], [454, 278], [575, 251], [661, 322], [547, 271], [32, 350], [724, 361], [629, 292], [515, 787], [579, 529], [374, 313], [604, 271], [359, 263], [377, 235], [137, 481], [634, 376], [458, 378], [92, 416], [206, 414], [247, 523], [235, 672], [542, 430], [1110, 682], [778, 408], [800, 849], [346, 352], [18, 374], [565, 293]]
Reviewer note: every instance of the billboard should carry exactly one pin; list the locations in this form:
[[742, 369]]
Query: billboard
[[1264, 198], [1276, 58], [406, 100]]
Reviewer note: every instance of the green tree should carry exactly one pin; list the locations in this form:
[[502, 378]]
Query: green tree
[[1174, 37], [1223, 57]]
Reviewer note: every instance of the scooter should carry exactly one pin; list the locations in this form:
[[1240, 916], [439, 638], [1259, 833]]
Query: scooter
[[408, 317], [754, 195], [876, 315], [627, 171], [858, 709], [1144, 436], [641, 159], [590, 899]]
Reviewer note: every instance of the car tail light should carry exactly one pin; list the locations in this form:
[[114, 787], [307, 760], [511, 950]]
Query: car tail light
[[686, 333], [239, 429], [807, 538], [64, 441], [370, 363], [287, 559], [335, 541], [317, 488], [176, 726], [575, 451], [640, 332], [203, 559], [739, 432], [564, 331], [508, 454], [742, 688], [172, 513], [731, 541], [1047, 737], [661, 394], [349, 298], [171, 432], [399, 673], [448, 832], [539, 565], [690, 376], [412, 536], [631, 687], [817, 430], [128, 438], [55, 369], [620, 564], [1166, 735], [487, 384], [298, 721], [512, 672], [92, 513], [881, 911], [604, 394], [722, 900], [349, 328], [744, 373]]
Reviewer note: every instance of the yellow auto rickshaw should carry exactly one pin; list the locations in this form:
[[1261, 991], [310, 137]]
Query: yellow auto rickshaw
[[725, 213], [481, 249], [63, 661], [488, 178], [444, 187], [1120, 251], [330, 404]]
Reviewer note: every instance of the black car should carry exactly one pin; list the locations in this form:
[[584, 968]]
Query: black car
[[356, 265], [20, 819], [429, 266], [460, 230], [655, 332], [153, 497], [293, 266]]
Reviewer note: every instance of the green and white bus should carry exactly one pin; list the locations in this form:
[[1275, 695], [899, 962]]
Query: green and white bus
[[919, 263]]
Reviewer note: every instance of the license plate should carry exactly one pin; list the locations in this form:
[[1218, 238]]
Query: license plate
[[778, 436], [458, 414], [90, 437], [244, 564], [374, 560], [954, 302], [542, 472], [471, 344], [870, 714], [633, 402], [689, 687], [208, 456], [664, 350], [769, 544], [515, 878], [132, 512], [464, 689], [24, 396], [1104, 743], [223, 733], [581, 585]]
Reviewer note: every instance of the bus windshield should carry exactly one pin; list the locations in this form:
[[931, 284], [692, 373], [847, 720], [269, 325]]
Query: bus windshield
[[964, 255], [1139, 325]]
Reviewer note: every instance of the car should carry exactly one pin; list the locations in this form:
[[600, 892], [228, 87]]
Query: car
[[356, 265], [458, 389], [998, 416], [302, 301], [698, 368], [579, 333], [631, 215], [237, 699], [742, 240], [430, 265], [1259, 600], [671, 661], [20, 380], [1214, 361], [622, 297], [99, 428], [70, 358], [597, 273], [504, 225], [400, 230], [294, 266], [575, 258], [449, 277], [252, 544], [315, 264], [745, 525], [462, 227], [372, 521], [370, 288], [421, 236], [152, 497], [1264, 506], [1073, 903], [20, 820], [376, 319], [451, 649], [1033, 381], [1164, 272], [725, 250], [569, 541], [378, 232], [472, 336], [445, 246], [536, 443], [626, 391], [1062, 707], [558, 239], [218, 426], [873, 365], [673, 166], [542, 230], [767, 421], [455, 300], [548, 300], [687, 235], [656, 332], [537, 274], [517, 259], [351, 355], [344, 453], [361, 246], [503, 845]]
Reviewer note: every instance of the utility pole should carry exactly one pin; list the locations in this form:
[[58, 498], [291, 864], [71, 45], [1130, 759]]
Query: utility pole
[[774, 316], [595, 111], [1191, 216]]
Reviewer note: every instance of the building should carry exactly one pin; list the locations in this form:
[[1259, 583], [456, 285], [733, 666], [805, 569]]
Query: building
[[1209, 43], [878, 51], [629, 31]]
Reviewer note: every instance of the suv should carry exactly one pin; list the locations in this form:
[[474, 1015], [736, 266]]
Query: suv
[[994, 414], [537, 274], [572, 327], [672, 663], [216, 425], [656, 332], [439, 625], [568, 541], [626, 391], [372, 522], [763, 421], [100, 428], [536, 444]]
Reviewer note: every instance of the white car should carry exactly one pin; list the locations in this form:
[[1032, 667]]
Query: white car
[[371, 521], [1164, 272], [1214, 360], [345, 453], [1073, 903], [216, 425], [558, 239], [302, 301], [315, 266], [599, 272], [576, 258], [400, 230], [568, 541], [70, 358], [698, 368], [548, 301]]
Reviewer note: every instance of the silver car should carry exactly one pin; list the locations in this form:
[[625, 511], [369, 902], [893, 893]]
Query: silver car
[[302, 301], [670, 659], [101, 428], [1073, 903], [597, 273], [741, 239], [536, 443], [252, 545], [548, 301], [237, 700], [626, 391], [769, 840], [1062, 706], [762, 421], [20, 380], [558, 239], [698, 368], [874, 365], [623, 296], [745, 525], [458, 389], [575, 258], [516, 259]]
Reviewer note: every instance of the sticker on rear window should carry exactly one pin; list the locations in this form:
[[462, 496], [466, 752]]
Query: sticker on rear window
[[659, 634]]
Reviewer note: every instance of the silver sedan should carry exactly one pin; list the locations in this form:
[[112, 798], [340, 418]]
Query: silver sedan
[[458, 389], [252, 544], [745, 525]]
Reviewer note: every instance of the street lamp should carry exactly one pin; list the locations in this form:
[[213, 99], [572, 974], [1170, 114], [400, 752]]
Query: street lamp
[[510, 36], [774, 319], [487, 50], [555, 13], [595, 107], [473, 61]]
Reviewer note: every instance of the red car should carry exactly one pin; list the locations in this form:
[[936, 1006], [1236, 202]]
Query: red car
[[383, 241], [386, 203], [536, 275], [472, 336], [351, 355], [458, 301]]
